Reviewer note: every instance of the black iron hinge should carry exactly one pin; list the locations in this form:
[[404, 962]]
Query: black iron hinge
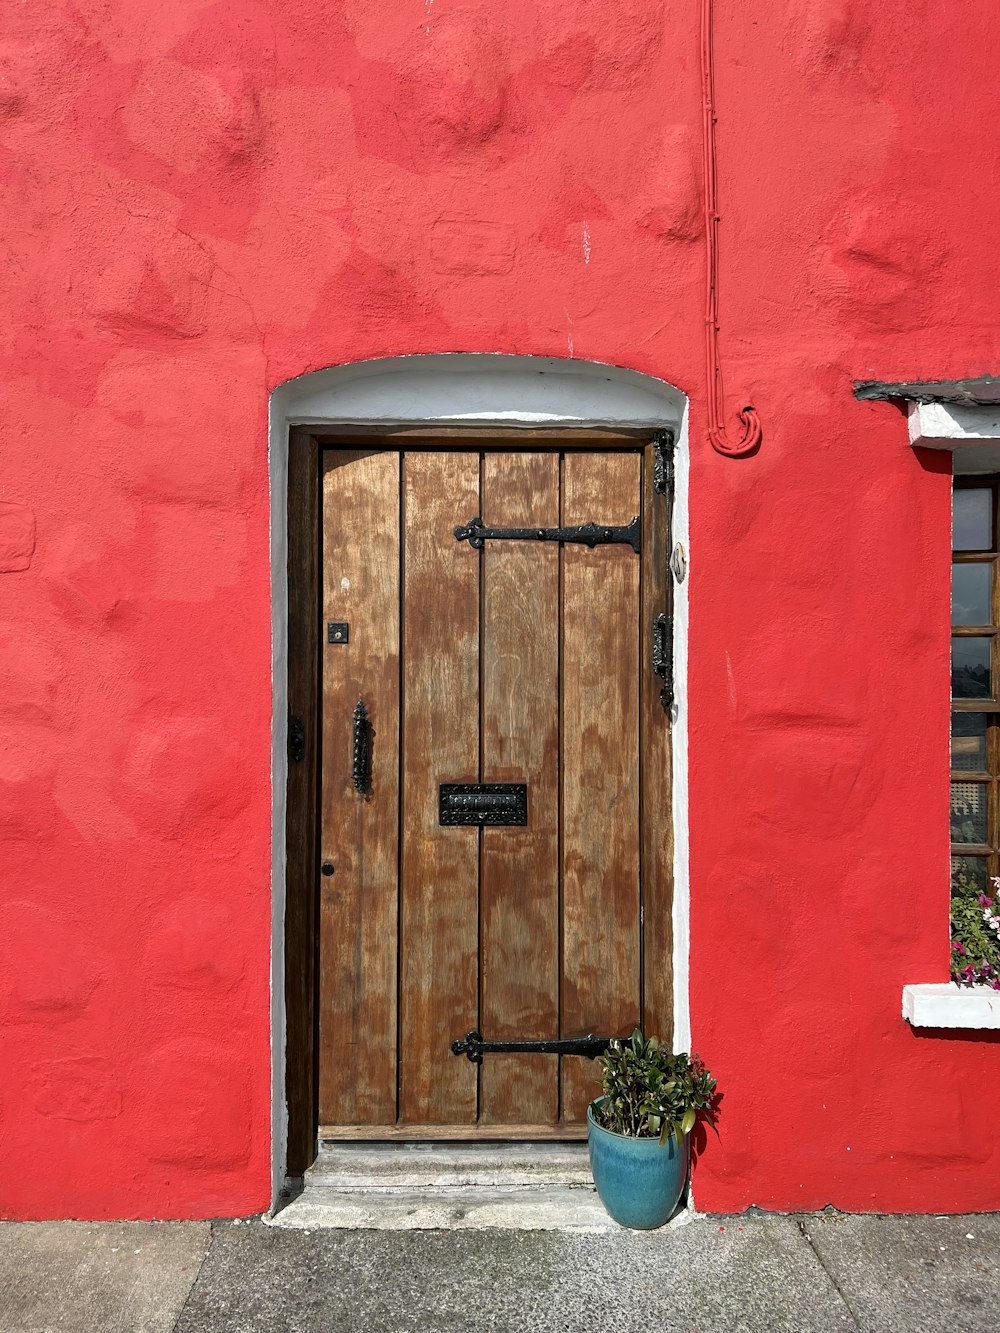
[[663, 465], [477, 534], [663, 634]]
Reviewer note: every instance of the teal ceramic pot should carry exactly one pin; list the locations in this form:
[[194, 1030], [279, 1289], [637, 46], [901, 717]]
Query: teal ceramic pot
[[639, 1183]]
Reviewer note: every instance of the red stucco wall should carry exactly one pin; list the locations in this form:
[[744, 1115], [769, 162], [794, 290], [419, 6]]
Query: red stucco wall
[[203, 200]]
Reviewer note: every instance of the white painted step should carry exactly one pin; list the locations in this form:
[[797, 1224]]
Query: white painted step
[[542, 1208], [448, 1186], [434, 1166]]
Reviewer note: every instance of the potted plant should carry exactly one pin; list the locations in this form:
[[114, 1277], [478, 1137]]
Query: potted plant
[[638, 1131]]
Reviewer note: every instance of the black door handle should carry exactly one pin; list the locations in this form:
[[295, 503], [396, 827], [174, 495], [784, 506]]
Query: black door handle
[[362, 749], [663, 624]]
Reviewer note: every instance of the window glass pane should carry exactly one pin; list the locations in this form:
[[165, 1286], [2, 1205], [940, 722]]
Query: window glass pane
[[968, 812], [970, 668], [972, 519], [972, 594], [968, 742], [969, 873]]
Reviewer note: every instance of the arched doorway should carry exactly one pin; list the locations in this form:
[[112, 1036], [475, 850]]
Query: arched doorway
[[487, 843]]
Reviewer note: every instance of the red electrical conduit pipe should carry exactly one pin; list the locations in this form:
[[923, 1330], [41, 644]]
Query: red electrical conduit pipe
[[751, 436]]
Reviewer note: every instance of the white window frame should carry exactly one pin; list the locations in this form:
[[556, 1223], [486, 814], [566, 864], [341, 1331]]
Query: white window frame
[[972, 435]]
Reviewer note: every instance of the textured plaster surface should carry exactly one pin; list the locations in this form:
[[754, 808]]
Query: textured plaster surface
[[202, 200]]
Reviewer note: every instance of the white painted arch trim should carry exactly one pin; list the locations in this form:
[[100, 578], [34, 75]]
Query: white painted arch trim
[[461, 389], [464, 388]]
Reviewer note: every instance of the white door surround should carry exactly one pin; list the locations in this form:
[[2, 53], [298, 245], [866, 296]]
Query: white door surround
[[462, 389]]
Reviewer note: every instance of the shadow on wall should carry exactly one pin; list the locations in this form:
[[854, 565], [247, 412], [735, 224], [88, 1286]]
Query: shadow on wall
[[977, 1035]]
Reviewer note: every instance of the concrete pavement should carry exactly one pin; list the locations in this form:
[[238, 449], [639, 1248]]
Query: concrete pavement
[[116, 1277], [754, 1272]]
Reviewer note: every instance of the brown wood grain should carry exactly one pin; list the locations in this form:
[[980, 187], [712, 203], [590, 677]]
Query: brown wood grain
[[440, 866], [519, 907], [477, 914], [301, 822], [657, 843], [359, 902], [600, 781]]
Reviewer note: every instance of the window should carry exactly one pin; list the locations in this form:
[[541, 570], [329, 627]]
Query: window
[[975, 677]]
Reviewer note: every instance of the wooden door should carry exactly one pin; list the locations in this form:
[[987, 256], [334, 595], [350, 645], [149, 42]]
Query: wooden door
[[518, 661]]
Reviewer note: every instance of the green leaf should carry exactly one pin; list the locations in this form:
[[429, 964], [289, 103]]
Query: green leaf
[[652, 1091]]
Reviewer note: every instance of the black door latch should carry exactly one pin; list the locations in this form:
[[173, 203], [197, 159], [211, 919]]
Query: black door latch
[[474, 1047], [477, 534]]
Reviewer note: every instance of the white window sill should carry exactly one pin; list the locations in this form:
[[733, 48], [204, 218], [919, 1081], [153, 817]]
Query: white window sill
[[944, 1005]]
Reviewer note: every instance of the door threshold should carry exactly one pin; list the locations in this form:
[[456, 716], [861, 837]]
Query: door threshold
[[447, 1187], [478, 1133]]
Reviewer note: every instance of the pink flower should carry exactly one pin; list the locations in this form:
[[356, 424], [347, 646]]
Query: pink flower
[[958, 947]]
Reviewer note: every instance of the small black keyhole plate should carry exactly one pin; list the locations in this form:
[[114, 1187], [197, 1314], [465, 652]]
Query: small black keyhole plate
[[338, 631]]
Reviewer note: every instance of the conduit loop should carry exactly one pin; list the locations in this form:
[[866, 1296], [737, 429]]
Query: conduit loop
[[751, 435]]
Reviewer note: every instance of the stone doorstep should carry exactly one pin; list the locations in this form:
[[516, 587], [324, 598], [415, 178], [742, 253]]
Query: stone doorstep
[[485, 1208], [449, 1187], [417, 1166]]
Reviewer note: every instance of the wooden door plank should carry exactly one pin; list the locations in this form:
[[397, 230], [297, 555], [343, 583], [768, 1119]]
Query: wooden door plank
[[519, 905], [600, 753], [301, 826], [657, 877], [440, 866], [359, 902]]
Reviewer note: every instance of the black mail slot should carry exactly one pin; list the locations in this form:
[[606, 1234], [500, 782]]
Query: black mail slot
[[480, 803]]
